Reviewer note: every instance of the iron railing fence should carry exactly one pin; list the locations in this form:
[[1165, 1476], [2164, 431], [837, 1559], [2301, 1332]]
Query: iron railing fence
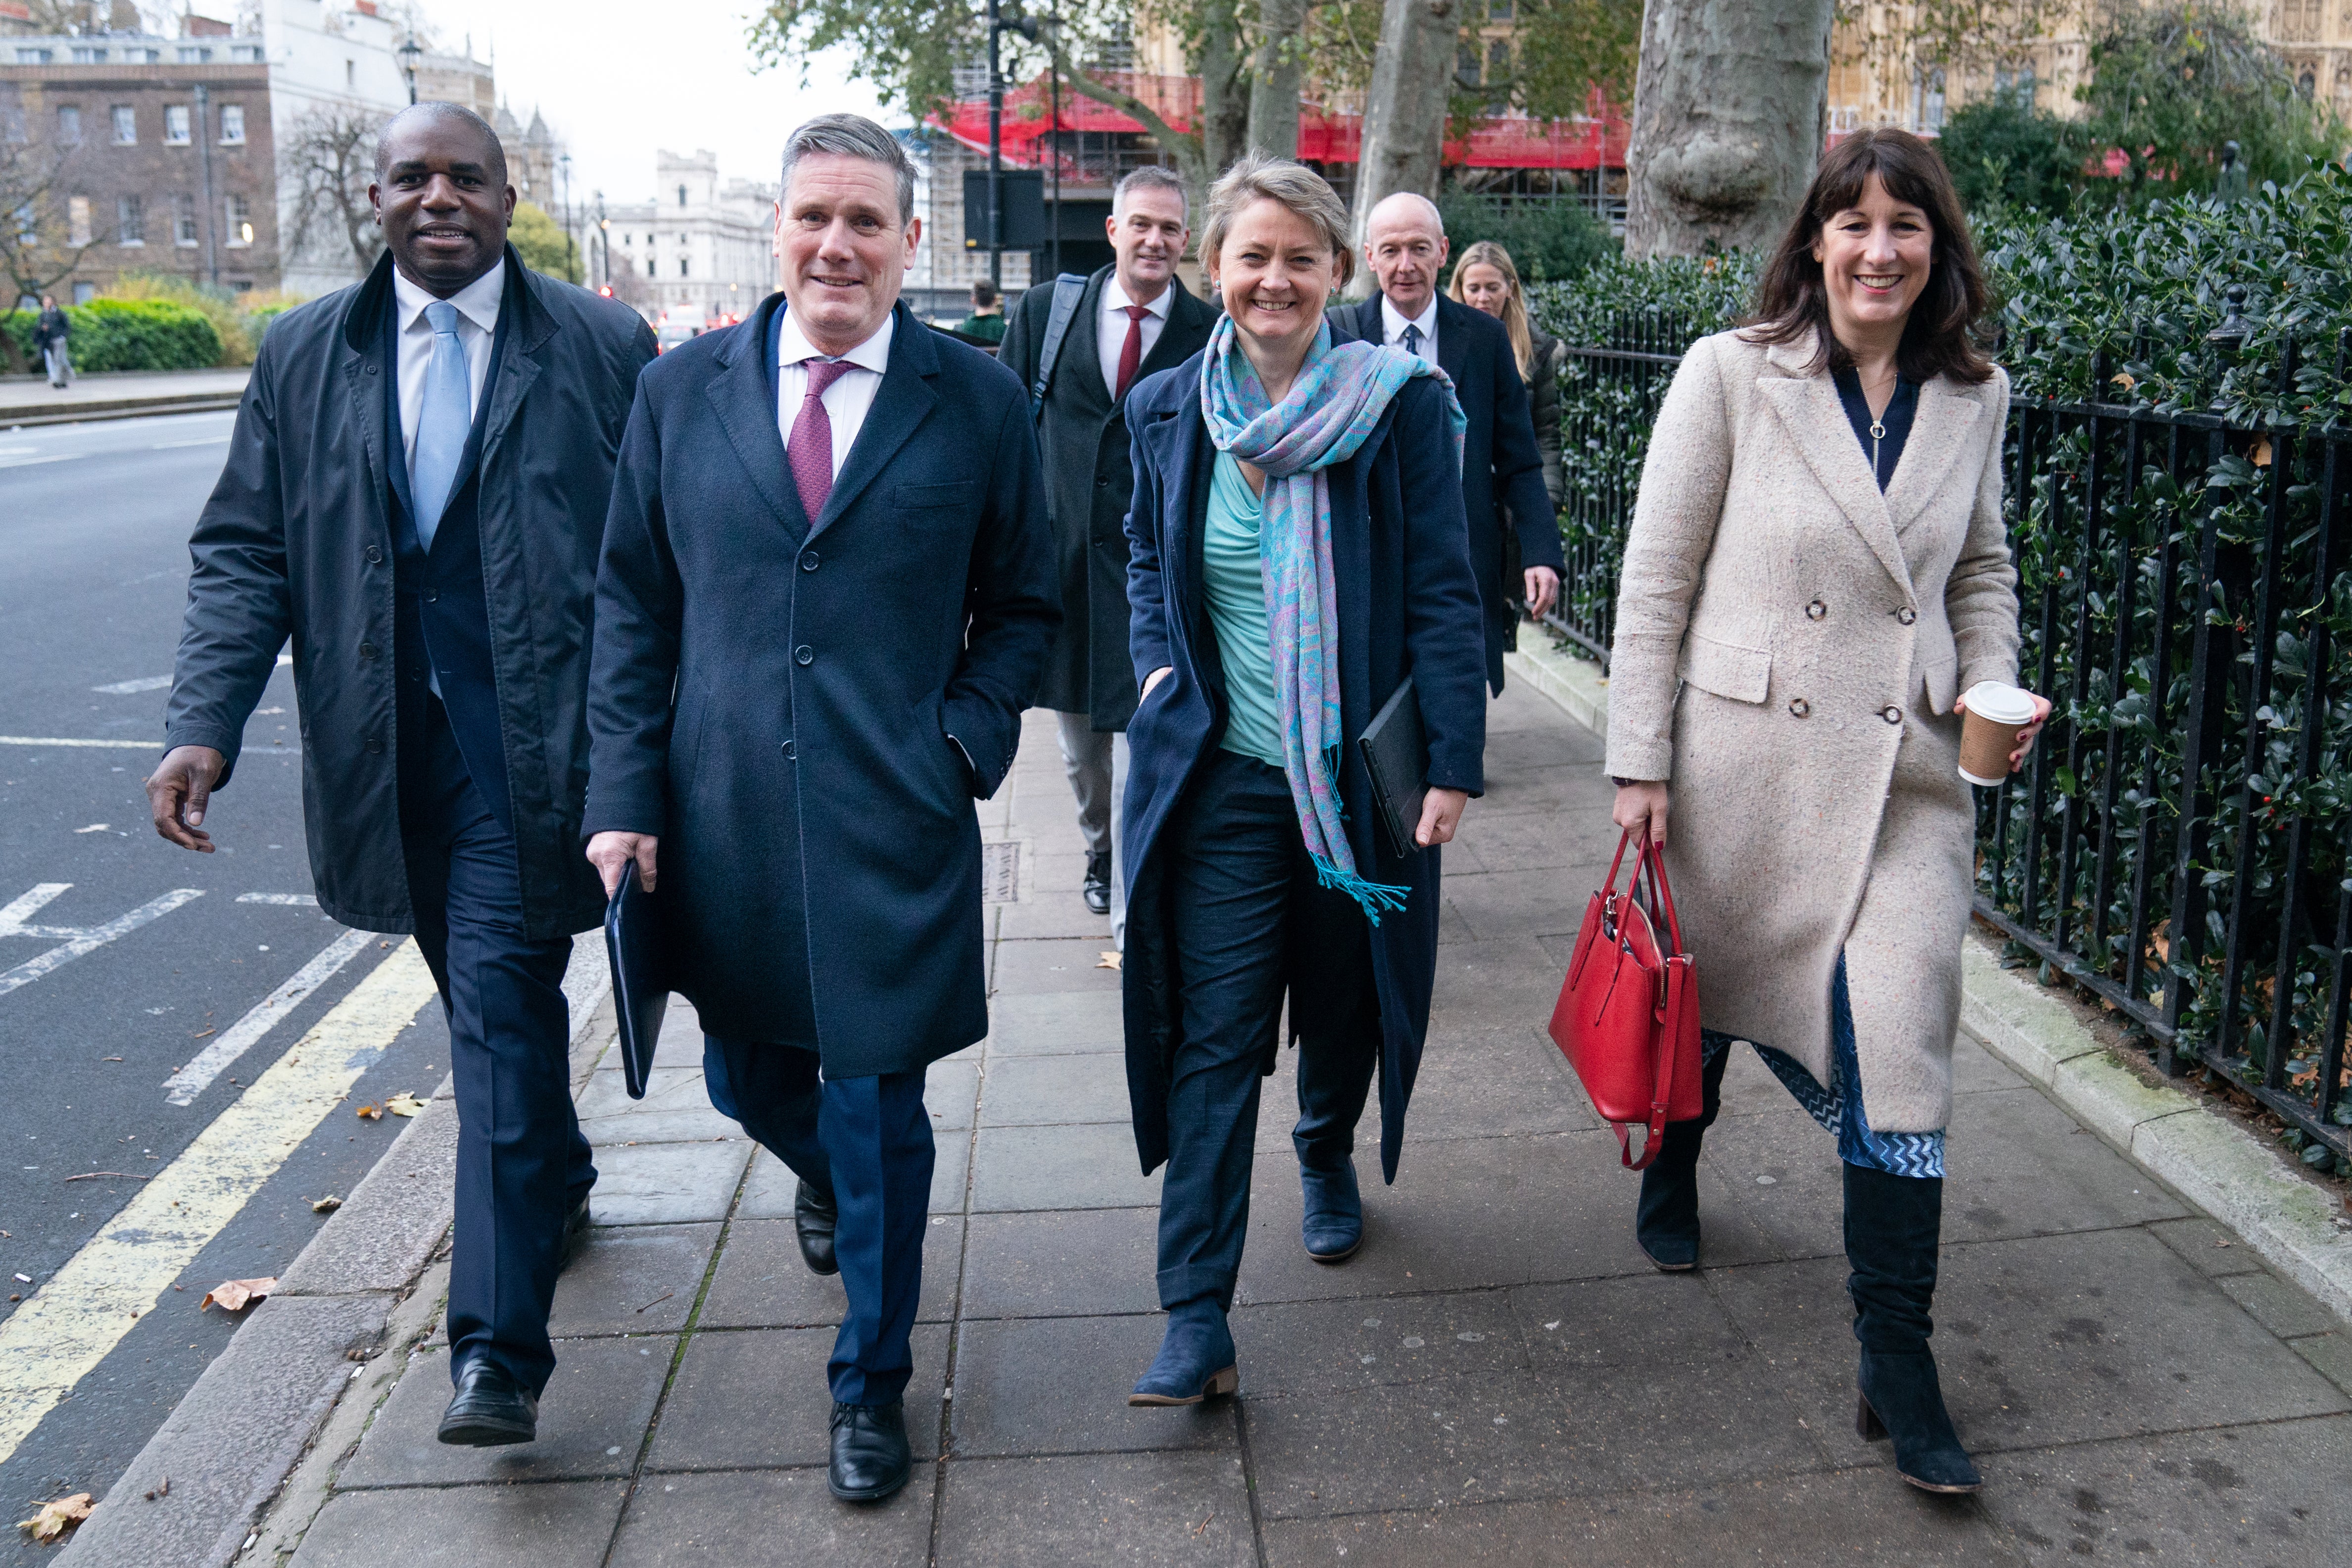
[[2178, 844]]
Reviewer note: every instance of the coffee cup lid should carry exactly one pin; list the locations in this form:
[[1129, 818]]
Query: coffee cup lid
[[2001, 702]]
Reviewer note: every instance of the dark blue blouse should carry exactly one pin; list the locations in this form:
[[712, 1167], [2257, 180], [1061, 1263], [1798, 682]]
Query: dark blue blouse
[[1883, 451]]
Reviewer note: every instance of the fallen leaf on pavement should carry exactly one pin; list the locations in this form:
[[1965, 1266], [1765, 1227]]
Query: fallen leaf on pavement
[[93, 828], [1107, 961], [235, 1295], [199, 1035], [163, 1489], [370, 1114], [93, 1175], [326, 1205], [404, 1104], [57, 1516]]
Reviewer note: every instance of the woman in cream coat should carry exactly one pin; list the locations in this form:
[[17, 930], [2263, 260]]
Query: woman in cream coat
[[1817, 569]]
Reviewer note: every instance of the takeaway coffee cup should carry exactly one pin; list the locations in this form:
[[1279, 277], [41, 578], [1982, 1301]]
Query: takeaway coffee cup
[[1989, 729]]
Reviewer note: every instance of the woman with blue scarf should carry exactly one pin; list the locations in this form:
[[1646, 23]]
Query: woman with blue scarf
[[1298, 552]]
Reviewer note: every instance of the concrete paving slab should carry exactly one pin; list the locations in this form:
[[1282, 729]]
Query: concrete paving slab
[[592, 1420], [667, 1184], [632, 1280], [1510, 976], [1548, 840], [2283, 1309], [951, 1092], [1076, 1262], [1041, 1025], [676, 1109], [679, 1044], [2211, 1249], [763, 1284], [1059, 1385], [1151, 1510], [2330, 1353], [567, 1525], [1057, 913], [1484, 1091], [1498, 904], [757, 1399], [1048, 968], [771, 1188], [1049, 1090], [1059, 1167], [1321, 1347], [1640, 1319], [772, 1519]]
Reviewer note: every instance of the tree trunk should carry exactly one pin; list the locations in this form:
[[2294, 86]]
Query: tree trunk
[[1274, 86], [1404, 110], [1730, 105], [1225, 98]]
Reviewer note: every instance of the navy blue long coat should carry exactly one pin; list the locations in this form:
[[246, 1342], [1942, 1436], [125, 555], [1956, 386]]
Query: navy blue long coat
[[790, 703], [1408, 606]]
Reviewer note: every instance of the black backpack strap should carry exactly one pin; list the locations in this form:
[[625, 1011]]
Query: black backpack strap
[[1067, 289]]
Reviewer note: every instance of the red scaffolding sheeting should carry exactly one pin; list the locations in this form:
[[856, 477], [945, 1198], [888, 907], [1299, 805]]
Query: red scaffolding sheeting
[[1592, 140]]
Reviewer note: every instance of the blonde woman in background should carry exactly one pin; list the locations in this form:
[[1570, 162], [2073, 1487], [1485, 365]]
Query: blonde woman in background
[[1486, 279]]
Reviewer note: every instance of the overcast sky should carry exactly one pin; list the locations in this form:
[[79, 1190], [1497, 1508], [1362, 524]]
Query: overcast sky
[[617, 81]]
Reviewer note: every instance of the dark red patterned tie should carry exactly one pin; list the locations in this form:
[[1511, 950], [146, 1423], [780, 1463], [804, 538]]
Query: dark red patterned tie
[[1130, 353], [810, 450]]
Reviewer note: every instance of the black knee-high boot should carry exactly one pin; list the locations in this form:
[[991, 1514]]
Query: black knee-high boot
[[1893, 1225], [1666, 1224]]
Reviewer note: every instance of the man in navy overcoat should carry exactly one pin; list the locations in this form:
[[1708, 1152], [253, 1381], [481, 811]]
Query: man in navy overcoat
[[827, 593]]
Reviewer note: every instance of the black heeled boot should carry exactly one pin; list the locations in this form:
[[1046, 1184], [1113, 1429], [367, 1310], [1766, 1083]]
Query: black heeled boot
[[1893, 1227], [1667, 1223]]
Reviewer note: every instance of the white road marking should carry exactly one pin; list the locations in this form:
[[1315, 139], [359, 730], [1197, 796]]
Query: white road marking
[[24, 905], [190, 1081], [30, 461], [299, 900], [90, 939], [144, 684], [56, 740], [82, 1310], [199, 441]]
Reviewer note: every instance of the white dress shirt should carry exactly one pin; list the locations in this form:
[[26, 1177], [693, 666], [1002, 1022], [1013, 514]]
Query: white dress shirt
[[849, 396], [478, 324], [1110, 330], [1393, 325]]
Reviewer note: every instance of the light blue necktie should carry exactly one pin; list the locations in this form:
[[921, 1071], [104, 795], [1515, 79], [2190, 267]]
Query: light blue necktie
[[444, 424], [1413, 338]]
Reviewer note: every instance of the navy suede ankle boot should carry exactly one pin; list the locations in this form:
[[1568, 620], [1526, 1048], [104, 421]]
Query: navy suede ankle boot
[[1667, 1223], [1331, 1219], [1196, 1357], [1892, 1226]]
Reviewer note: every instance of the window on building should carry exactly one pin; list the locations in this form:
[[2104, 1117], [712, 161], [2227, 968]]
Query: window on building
[[194, 55], [76, 220], [28, 226], [69, 125], [33, 57], [1502, 10], [131, 220], [183, 219], [1928, 86], [11, 114], [351, 73], [232, 125], [2014, 87], [681, 267], [85, 55], [1498, 59], [142, 57], [249, 54], [85, 292], [681, 195], [240, 222], [176, 124], [1466, 66], [126, 126]]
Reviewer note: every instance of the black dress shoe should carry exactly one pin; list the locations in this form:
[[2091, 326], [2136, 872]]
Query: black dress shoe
[[575, 1231], [871, 1459], [1097, 884], [813, 1218], [490, 1409]]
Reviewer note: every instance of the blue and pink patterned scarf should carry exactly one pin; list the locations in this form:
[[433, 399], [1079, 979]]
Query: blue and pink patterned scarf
[[1339, 396]]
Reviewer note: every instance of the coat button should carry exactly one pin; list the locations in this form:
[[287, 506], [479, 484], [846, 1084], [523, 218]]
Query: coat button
[[1907, 616], [1799, 707], [376, 746], [1102, 481], [808, 561], [374, 556], [1816, 609], [432, 596], [790, 755], [1891, 714], [367, 650], [804, 655]]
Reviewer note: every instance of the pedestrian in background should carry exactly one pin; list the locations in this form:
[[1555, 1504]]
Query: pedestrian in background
[[51, 330], [1298, 554], [1514, 543], [1080, 346], [1486, 280], [827, 594], [414, 493], [1817, 569], [987, 319]]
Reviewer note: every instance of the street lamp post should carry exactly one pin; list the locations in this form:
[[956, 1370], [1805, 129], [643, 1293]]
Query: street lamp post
[[409, 55], [571, 225], [996, 149], [205, 162], [603, 242]]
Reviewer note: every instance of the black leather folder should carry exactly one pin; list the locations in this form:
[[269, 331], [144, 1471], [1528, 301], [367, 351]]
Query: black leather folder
[[638, 996], [1396, 753]]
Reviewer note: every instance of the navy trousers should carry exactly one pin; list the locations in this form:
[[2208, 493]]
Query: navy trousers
[[1246, 916], [522, 1164], [867, 1141]]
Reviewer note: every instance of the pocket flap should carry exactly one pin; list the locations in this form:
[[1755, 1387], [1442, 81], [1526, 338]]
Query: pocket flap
[[1727, 669], [961, 492]]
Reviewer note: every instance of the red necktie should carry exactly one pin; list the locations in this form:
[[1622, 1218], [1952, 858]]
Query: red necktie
[[810, 450], [1130, 353]]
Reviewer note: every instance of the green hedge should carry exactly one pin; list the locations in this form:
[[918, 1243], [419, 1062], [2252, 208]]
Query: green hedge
[[129, 335]]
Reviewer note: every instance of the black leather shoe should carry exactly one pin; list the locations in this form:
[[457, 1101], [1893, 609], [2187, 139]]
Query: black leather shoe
[[1097, 885], [575, 1232], [813, 1218], [490, 1409], [871, 1459]]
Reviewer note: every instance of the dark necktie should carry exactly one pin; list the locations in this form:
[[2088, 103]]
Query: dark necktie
[[1130, 353], [1413, 338], [810, 450]]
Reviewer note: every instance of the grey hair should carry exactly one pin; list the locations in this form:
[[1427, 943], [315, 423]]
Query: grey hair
[[1150, 177], [1261, 177], [853, 136]]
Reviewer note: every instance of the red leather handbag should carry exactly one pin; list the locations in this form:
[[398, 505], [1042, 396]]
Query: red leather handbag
[[1627, 1018]]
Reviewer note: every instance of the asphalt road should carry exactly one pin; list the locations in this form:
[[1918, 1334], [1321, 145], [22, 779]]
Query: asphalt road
[[94, 521]]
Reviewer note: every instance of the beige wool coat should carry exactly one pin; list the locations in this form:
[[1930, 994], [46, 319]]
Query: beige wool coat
[[1789, 644]]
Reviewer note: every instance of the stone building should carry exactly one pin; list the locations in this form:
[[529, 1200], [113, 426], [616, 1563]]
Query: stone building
[[150, 154], [534, 160], [704, 247]]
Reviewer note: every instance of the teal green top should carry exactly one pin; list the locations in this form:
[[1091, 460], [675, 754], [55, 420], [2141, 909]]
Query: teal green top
[[1236, 587]]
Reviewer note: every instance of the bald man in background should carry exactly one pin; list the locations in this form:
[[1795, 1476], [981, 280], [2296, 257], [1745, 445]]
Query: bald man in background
[[1514, 538]]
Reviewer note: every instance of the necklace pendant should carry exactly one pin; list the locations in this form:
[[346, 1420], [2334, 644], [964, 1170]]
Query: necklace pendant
[[1877, 430]]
